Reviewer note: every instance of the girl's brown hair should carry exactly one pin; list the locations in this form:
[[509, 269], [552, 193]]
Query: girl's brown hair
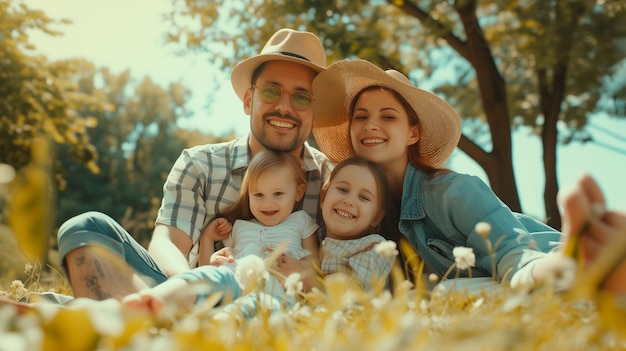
[[262, 163], [385, 202]]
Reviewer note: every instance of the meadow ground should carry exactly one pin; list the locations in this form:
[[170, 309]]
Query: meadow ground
[[342, 318]]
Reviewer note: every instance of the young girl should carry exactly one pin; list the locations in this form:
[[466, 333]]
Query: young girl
[[264, 215], [353, 202], [379, 115]]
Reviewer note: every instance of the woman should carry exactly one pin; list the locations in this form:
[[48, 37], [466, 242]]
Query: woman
[[379, 115]]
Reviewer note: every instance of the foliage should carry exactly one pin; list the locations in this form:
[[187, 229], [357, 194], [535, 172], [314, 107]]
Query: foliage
[[137, 142], [31, 206], [112, 140], [501, 64], [38, 96]]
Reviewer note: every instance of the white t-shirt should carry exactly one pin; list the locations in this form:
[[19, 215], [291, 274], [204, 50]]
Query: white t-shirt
[[249, 237]]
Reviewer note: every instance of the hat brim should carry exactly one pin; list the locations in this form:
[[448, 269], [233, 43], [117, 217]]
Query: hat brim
[[241, 76], [336, 87]]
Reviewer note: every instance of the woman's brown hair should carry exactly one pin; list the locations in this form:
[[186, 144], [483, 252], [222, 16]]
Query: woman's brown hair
[[414, 151]]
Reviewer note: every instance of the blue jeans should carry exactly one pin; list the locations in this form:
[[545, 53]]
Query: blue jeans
[[222, 279], [98, 229]]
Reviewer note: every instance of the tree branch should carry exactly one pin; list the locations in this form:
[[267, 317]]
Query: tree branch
[[455, 42]]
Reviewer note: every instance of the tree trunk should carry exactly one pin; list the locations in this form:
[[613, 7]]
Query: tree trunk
[[551, 108], [499, 163], [552, 92]]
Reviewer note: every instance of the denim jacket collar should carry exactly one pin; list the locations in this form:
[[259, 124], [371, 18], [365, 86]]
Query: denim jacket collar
[[412, 206]]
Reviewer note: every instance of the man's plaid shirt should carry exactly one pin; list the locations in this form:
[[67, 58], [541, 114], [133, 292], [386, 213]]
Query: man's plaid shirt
[[206, 179]]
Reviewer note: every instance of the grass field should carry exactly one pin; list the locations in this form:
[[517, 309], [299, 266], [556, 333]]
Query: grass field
[[342, 318]]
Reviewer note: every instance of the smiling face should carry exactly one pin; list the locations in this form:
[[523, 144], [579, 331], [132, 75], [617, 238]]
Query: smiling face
[[380, 130], [351, 203], [274, 195], [278, 125]]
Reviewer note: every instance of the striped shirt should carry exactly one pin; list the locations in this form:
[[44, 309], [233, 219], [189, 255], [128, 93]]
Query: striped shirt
[[357, 258], [206, 179]]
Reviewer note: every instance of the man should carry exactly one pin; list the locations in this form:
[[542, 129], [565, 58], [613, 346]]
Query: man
[[101, 260]]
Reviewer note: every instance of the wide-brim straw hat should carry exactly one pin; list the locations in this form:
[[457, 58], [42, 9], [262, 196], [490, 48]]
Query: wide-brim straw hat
[[285, 45], [335, 88]]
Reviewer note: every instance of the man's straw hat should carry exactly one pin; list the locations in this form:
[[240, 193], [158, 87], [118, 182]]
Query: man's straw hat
[[285, 45]]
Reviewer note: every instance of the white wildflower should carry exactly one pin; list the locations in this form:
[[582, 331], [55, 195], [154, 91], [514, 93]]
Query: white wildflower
[[464, 257], [17, 289], [386, 248], [433, 278], [483, 229], [406, 284], [478, 302], [106, 316], [424, 305], [28, 268], [556, 269], [440, 289], [293, 284], [303, 312], [15, 341], [281, 323], [7, 173], [379, 302], [29, 328], [517, 298], [251, 272]]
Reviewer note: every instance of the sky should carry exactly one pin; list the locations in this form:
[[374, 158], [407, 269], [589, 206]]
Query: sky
[[128, 34]]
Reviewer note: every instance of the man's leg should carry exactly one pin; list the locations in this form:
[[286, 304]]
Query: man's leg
[[97, 273], [102, 260]]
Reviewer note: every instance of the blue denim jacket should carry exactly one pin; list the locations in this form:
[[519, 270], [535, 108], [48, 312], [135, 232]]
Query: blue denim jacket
[[440, 212]]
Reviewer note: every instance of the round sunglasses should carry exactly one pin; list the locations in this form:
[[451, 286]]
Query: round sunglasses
[[271, 93]]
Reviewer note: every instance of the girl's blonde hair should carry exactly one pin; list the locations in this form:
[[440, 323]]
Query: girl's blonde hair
[[262, 163]]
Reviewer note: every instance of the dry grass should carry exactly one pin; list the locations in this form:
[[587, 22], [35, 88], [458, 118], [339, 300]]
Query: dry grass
[[343, 318]]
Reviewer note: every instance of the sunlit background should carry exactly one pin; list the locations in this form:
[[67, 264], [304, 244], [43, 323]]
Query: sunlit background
[[121, 34]]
